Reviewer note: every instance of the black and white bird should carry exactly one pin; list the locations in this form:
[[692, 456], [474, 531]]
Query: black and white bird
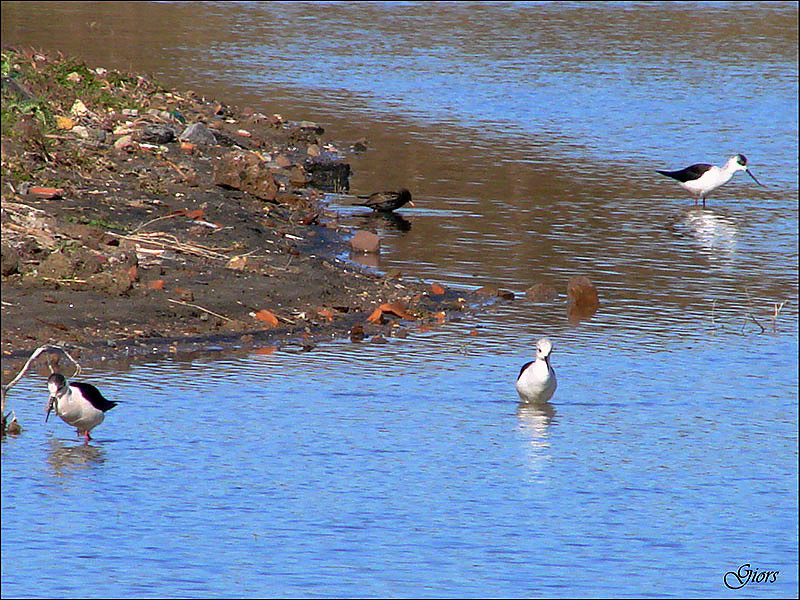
[[78, 404], [702, 179], [386, 201], [537, 379]]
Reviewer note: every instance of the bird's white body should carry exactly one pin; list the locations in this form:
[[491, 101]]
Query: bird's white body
[[76, 411], [712, 179], [537, 379]]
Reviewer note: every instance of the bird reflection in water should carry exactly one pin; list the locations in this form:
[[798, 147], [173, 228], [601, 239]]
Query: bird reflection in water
[[390, 220], [63, 458], [534, 420], [715, 233]]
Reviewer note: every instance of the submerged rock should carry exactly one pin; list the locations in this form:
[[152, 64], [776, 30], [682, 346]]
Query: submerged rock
[[365, 241], [541, 292]]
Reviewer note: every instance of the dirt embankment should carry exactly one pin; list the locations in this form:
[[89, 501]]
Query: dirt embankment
[[139, 220]]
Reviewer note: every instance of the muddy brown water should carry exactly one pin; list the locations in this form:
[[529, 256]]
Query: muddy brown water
[[529, 135]]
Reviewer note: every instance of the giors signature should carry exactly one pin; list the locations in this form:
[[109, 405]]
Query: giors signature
[[736, 580]]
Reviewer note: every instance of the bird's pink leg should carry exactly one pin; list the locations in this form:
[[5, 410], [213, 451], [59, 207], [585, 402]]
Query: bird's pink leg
[[87, 437]]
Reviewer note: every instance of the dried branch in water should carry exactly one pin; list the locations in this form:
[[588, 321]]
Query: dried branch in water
[[24, 369]]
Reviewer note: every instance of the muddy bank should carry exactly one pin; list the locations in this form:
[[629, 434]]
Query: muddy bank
[[138, 220]]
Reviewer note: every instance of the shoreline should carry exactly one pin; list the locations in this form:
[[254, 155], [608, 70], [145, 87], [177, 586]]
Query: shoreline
[[140, 221]]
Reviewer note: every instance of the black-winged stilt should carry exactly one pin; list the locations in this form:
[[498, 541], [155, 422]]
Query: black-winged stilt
[[386, 201], [537, 379], [78, 404], [702, 179]]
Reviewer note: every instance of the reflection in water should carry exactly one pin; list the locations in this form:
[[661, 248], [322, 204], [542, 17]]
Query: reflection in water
[[393, 221], [534, 420], [579, 312], [387, 220], [368, 259], [715, 233], [63, 458]]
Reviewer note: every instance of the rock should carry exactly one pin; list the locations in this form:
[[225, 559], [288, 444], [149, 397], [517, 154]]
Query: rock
[[79, 109], [184, 295], [125, 143], [365, 241], [283, 161], [488, 290], [247, 172], [13, 87], [86, 262], [306, 131], [357, 333], [65, 123], [331, 176], [90, 236], [310, 125], [582, 292], [10, 260], [199, 134], [57, 266], [541, 292], [12, 427], [360, 145], [583, 301], [114, 284], [161, 114], [237, 263], [492, 290], [298, 176], [156, 134], [96, 135]]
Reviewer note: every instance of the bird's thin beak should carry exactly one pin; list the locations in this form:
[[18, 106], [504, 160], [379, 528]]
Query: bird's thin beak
[[754, 178], [50, 404], [410, 203]]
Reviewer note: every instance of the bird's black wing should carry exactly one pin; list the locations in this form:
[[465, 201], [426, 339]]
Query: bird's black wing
[[93, 395], [687, 174]]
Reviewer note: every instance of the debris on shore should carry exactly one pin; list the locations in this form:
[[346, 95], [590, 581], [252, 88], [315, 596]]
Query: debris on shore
[[140, 220]]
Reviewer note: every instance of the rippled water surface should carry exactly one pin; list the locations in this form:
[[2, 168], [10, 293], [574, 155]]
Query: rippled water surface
[[529, 135]]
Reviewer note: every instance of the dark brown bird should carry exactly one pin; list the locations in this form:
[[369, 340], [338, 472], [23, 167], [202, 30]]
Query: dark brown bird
[[386, 201]]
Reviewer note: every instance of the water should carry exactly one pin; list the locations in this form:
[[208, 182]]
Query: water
[[362, 471], [529, 135]]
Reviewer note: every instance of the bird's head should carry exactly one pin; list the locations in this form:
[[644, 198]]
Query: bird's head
[[57, 386], [739, 163], [404, 195], [543, 348]]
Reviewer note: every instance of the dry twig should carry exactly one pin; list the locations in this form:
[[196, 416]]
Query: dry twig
[[23, 370], [211, 312]]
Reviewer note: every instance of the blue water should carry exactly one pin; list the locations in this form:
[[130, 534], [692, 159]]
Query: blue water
[[668, 455], [361, 471]]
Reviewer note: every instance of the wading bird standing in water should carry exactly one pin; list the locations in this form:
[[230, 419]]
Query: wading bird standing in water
[[78, 404], [702, 179]]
